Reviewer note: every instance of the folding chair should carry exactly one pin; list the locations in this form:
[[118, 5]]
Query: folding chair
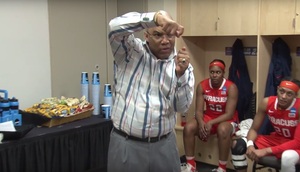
[[269, 161]]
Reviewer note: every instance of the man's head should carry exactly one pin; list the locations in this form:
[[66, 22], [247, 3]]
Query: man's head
[[160, 43], [287, 91], [216, 72]]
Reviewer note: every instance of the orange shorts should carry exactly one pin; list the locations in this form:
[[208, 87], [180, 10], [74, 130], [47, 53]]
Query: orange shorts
[[264, 141], [214, 128]]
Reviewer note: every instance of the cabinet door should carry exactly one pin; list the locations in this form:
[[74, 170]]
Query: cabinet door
[[237, 17], [277, 17], [198, 17], [297, 17]]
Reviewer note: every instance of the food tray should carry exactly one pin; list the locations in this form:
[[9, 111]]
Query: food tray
[[62, 120]]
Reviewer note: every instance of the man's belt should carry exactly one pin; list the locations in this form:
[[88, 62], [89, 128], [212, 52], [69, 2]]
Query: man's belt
[[148, 139]]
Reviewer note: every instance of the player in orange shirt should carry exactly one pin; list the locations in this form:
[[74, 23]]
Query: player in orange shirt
[[283, 113], [216, 100]]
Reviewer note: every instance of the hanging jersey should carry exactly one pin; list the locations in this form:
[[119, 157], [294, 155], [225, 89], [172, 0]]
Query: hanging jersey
[[283, 121], [216, 98]]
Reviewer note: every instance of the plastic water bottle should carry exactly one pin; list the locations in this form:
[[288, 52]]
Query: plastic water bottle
[[14, 105], [96, 93], [107, 95], [5, 111], [85, 85], [106, 110], [14, 111]]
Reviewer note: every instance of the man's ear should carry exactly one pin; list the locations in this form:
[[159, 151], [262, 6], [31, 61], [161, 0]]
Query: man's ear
[[146, 36]]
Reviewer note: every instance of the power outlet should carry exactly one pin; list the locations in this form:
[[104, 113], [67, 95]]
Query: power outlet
[[97, 67]]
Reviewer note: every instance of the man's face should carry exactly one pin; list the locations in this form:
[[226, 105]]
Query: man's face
[[160, 44], [285, 97], [216, 75]]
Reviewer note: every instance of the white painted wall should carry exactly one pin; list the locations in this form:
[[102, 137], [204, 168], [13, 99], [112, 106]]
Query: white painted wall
[[168, 5], [24, 50], [26, 68]]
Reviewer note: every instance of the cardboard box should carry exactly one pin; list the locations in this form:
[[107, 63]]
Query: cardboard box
[[62, 120]]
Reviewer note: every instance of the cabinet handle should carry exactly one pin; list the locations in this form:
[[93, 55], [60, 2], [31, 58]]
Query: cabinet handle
[[216, 25], [294, 23]]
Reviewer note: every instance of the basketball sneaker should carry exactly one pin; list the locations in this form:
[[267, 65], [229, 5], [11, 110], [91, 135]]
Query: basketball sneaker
[[186, 167]]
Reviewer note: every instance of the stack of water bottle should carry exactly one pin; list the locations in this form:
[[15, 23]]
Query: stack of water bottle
[[107, 101], [9, 109], [99, 109]]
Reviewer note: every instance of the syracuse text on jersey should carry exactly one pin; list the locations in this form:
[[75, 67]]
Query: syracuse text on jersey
[[215, 98], [283, 122]]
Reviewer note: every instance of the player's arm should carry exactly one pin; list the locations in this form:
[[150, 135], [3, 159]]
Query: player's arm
[[199, 108], [258, 119], [252, 133]]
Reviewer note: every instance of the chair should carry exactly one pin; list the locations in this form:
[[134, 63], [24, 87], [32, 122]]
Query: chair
[[265, 162], [269, 161]]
